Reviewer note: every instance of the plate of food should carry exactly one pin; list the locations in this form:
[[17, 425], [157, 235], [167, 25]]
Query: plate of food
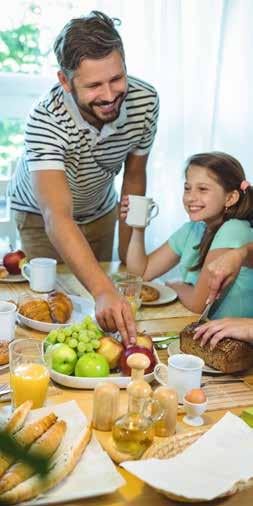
[[53, 311], [154, 294], [81, 356], [174, 348], [63, 434], [10, 267]]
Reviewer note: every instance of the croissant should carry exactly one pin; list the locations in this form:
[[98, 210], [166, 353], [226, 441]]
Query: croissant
[[37, 309], [60, 307]]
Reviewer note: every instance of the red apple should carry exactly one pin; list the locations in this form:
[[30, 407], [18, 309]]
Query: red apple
[[126, 371], [12, 260]]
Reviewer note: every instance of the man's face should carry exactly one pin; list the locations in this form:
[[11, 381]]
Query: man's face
[[99, 88]]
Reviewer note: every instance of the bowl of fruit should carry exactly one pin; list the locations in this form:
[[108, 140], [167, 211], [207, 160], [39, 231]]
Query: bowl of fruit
[[82, 355]]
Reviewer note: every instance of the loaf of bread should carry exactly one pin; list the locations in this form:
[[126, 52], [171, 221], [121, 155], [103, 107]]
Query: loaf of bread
[[229, 355]]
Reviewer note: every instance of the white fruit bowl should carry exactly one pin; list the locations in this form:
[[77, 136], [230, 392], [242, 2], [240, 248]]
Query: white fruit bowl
[[90, 383]]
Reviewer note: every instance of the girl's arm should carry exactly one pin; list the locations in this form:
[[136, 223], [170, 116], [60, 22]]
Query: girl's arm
[[195, 297], [149, 266], [137, 261]]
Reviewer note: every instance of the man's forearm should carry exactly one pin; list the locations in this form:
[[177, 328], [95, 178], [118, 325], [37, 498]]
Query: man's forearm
[[77, 254]]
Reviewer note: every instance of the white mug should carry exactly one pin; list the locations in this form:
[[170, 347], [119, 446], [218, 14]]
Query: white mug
[[183, 373], [140, 211], [8, 313], [41, 274]]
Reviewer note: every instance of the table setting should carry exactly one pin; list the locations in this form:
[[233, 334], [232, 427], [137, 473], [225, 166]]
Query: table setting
[[197, 430]]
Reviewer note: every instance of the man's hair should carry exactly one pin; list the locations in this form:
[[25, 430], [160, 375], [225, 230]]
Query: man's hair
[[87, 37]]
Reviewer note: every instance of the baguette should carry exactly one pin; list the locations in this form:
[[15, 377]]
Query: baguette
[[25, 437], [64, 464], [18, 417], [45, 446]]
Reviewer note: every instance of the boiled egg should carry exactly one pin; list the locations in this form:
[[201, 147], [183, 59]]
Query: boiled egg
[[196, 396]]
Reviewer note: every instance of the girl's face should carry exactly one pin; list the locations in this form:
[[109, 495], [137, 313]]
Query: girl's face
[[204, 198]]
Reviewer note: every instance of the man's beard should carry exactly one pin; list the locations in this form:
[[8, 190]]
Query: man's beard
[[88, 112]]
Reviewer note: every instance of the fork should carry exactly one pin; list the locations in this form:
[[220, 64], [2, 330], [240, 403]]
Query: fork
[[5, 388]]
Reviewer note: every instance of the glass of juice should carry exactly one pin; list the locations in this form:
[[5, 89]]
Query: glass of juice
[[129, 285], [29, 376]]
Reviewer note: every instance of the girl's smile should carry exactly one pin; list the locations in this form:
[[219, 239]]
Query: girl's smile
[[204, 198]]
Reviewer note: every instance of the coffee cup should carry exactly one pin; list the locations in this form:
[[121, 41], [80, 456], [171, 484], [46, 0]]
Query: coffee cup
[[140, 211], [8, 313], [182, 373], [41, 274]]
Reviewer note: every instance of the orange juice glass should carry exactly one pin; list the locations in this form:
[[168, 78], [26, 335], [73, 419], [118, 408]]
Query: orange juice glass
[[29, 376]]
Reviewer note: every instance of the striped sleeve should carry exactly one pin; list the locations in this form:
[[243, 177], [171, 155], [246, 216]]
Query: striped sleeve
[[45, 140]]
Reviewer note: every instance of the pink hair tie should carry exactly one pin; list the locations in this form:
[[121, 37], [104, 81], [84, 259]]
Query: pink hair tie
[[244, 185]]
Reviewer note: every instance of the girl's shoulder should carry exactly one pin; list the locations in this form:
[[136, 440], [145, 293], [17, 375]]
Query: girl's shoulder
[[233, 234]]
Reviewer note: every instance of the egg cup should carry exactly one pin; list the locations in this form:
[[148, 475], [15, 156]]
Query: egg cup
[[193, 412]]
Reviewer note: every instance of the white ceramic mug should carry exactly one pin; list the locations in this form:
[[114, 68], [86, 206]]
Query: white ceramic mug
[[8, 313], [141, 211], [183, 373], [41, 274]]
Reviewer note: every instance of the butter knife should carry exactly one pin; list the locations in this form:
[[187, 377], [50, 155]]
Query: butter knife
[[203, 315]]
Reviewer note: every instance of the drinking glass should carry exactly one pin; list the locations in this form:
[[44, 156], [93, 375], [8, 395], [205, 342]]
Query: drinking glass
[[29, 376], [129, 285]]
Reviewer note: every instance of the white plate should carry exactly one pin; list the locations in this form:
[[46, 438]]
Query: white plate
[[13, 278], [90, 383], [167, 294], [174, 348], [81, 308]]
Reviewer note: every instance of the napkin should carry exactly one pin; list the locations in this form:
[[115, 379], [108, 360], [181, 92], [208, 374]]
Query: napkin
[[208, 468]]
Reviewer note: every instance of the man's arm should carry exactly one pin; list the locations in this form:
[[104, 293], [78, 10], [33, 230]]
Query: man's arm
[[223, 270], [55, 201], [134, 183]]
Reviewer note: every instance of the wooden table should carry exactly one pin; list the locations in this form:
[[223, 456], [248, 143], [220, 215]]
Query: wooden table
[[134, 492]]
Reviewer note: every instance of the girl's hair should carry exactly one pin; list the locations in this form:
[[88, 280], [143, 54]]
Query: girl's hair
[[88, 37], [229, 173]]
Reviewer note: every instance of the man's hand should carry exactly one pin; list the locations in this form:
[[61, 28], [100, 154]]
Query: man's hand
[[223, 271], [114, 313], [214, 331]]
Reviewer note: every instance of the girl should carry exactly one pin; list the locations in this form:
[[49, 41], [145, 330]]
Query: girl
[[219, 202]]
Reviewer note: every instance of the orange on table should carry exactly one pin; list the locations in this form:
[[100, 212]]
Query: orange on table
[[29, 382]]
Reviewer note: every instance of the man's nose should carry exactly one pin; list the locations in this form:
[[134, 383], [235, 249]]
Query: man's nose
[[108, 94]]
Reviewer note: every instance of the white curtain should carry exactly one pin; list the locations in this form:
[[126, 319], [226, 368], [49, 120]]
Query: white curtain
[[197, 53]]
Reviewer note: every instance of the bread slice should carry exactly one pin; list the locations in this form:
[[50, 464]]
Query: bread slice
[[64, 464], [26, 436], [18, 417], [45, 446]]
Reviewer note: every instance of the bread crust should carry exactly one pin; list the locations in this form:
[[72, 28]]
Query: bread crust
[[64, 465], [149, 293], [228, 356], [18, 417]]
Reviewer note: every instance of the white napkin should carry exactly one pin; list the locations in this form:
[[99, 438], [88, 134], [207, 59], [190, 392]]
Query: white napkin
[[206, 469]]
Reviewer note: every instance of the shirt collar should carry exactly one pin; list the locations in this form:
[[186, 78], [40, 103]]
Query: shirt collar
[[82, 124]]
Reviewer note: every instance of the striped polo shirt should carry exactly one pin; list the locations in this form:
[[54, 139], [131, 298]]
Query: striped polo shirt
[[58, 138]]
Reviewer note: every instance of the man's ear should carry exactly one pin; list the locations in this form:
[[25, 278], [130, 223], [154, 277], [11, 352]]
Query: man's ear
[[64, 81], [232, 198]]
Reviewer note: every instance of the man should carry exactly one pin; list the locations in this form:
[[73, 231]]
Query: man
[[76, 140]]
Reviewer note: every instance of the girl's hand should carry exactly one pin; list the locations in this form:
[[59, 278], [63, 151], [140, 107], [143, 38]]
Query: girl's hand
[[124, 207], [214, 331]]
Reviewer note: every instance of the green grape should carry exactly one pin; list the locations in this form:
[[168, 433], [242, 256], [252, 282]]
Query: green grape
[[80, 354], [72, 343], [61, 338], [95, 343], [75, 327], [51, 339], [75, 335], [68, 331], [89, 347], [92, 334], [83, 337], [81, 347]]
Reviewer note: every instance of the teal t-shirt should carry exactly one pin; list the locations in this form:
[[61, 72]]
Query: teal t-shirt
[[237, 301]]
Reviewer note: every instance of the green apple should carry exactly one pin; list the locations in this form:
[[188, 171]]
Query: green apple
[[92, 365], [61, 358]]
